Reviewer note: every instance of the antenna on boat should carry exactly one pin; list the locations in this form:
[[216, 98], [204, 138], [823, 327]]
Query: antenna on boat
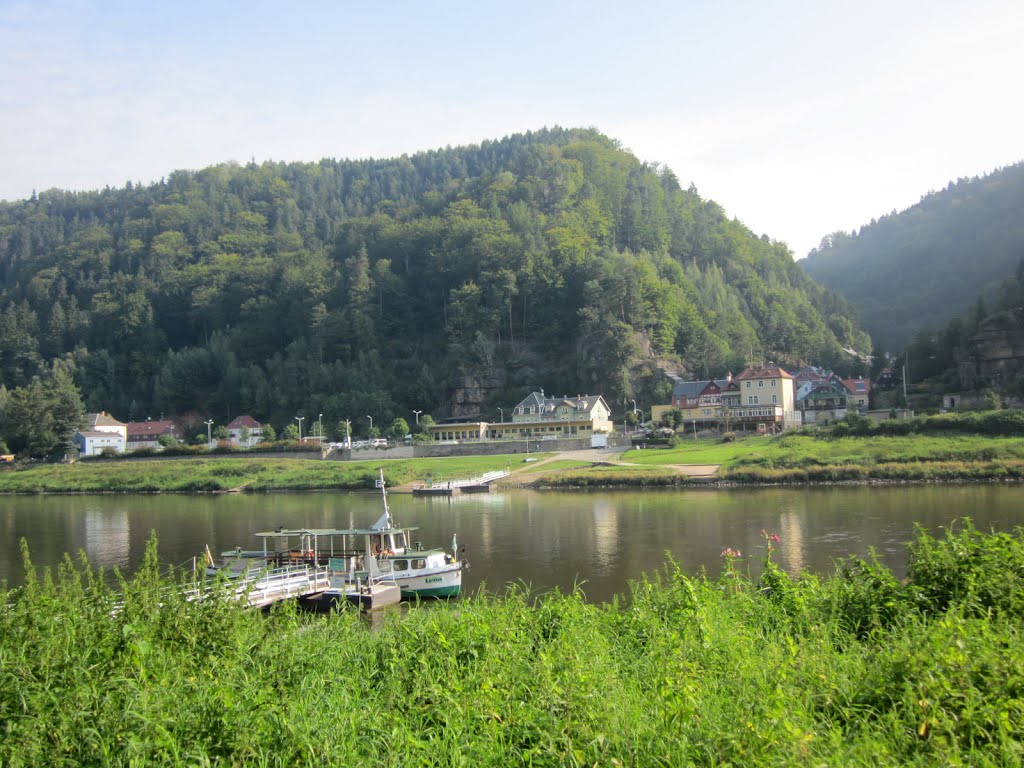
[[385, 518]]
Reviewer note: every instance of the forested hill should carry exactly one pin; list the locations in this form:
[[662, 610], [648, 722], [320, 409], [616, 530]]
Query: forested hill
[[918, 269], [549, 259]]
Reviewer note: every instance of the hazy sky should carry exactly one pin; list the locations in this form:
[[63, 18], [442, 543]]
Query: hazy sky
[[799, 118]]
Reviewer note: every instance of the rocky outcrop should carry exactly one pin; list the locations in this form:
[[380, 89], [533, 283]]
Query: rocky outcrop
[[995, 353]]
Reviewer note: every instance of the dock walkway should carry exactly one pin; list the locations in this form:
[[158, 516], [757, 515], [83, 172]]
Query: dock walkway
[[467, 485], [261, 587]]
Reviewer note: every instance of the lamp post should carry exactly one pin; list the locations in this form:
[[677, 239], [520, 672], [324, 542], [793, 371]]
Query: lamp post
[[300, 419], [209, 437], [501, 414], [348, 433], [634, 408], [371, 421], [417, 415], [320, 427]]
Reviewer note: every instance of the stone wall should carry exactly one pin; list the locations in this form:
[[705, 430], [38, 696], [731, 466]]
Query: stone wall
[[473, 448]]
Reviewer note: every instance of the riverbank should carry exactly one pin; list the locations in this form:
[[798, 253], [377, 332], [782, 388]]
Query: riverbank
[[789, 459], [856, 669]]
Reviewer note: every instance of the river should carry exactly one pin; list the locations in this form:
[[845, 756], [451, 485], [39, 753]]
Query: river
[[598, 541]]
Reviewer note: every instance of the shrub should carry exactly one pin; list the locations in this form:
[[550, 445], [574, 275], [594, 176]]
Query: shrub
[[983, 573]]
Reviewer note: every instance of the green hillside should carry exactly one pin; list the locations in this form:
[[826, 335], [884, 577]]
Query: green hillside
[[917, 269], [548, 259]]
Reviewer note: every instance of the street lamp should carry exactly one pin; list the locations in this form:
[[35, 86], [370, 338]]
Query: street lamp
[[501, 414], [417, 414], [209, 437], [371, 421], [300, 419], [348, 434], [320, 427]]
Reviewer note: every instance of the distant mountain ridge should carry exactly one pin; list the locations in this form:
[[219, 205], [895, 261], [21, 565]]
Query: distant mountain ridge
[[369, 288], [917, 269]]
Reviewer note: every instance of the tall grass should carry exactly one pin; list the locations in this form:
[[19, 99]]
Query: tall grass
[[854, 669]]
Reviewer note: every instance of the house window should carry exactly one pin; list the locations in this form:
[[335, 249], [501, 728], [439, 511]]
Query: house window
[[748, 384], [775, 398], [773, 382], [760, 383]]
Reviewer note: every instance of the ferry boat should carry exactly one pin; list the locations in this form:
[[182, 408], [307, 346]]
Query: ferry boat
[[384, 552]]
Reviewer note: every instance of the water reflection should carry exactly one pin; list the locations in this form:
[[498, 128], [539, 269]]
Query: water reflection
[[547, 540]]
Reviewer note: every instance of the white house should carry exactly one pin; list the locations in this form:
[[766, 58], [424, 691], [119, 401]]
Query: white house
[[239, 423], [91, 442]]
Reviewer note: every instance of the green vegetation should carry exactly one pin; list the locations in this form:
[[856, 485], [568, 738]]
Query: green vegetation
[[916, 270], [366, 287], [858, 669], [226, 473]]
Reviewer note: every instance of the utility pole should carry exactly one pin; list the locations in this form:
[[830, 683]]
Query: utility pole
[[300, 420], [209, 436]]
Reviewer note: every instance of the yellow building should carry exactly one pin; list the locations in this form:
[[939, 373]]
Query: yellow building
[[536, 418]]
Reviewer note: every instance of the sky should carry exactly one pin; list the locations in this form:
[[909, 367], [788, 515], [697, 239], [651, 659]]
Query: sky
[[798, 118]]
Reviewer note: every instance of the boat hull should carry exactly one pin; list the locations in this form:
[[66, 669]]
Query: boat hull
[[439, 582]]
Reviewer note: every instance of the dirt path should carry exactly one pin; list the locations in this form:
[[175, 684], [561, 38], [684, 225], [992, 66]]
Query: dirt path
[[527, 473]]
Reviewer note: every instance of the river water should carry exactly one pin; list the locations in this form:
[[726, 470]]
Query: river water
[[598, 541]]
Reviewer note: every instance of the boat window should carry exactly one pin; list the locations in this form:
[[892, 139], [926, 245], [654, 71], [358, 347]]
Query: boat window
[[401, 565], [419, 563]]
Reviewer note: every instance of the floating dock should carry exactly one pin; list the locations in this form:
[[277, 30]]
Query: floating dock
[[480, 484]]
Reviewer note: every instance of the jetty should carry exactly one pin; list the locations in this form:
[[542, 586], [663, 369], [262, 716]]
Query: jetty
[[480, 484]]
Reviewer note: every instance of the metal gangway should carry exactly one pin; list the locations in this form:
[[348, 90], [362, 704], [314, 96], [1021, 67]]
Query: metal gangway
[[261, 587], [447, 487]]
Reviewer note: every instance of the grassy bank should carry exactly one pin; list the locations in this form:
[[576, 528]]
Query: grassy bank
[[252, 474], [802, 458], [791, 458], [856, 669]]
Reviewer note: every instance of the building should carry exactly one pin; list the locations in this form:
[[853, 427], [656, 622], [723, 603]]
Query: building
[[700, 402], [823, 403], [860, 392], [147, 434], [761, 398], [253, 431], [101, 431], [91, 442], [537, 417]]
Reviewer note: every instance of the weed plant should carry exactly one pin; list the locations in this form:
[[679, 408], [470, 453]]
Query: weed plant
[[856, 669]]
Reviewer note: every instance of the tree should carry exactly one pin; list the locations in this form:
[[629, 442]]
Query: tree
[[398, 430], [41, 417], [221, 433], [290, 433], [268, 433]]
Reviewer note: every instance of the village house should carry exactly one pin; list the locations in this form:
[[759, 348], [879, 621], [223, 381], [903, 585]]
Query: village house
[[761, 398], [700, 402], [860, 392], [102, 431], [244, 431], [146, 434], [90, 442]]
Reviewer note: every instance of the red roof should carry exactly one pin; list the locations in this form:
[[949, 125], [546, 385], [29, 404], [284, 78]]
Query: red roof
[[244, 421], [857, 386], [774, 372], [149, 428]]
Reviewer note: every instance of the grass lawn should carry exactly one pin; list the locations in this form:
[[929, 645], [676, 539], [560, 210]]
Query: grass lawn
[[795, 450], [254, 473]]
